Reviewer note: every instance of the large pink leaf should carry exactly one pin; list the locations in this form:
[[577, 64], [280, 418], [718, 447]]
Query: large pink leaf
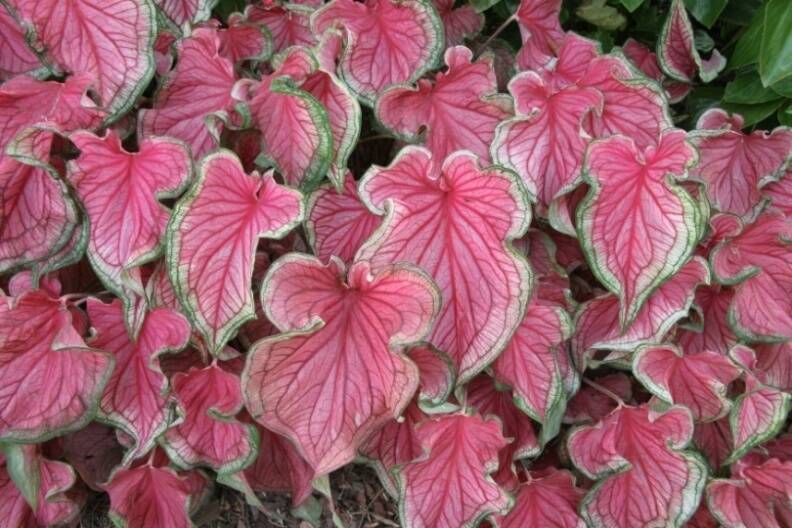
[[676, 49], [51, 380], [279, 467], [52, 481], [436, 217], [386, 42], [545, 144], [758, 494], [636, 225], [120, 192], [15, 55], [295, 128], [212, 240], [645, 476], [315, 382], [338, 223], [486, 397], [541, 32], [735, 165], [597, 322], [109, 41], [289, 23], [209, 399], [529, 365], [459, 23], [149, 496], [460, 110], [549, 499], [183, 11], [715, 334], [135, 398], [195, 98], [450, 484], [697, 381], [759, 261]]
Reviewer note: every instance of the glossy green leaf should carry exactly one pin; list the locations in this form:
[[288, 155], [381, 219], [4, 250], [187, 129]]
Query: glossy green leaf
[[482, 5], [598, 13], [775, 56], [631, 5], [783, 87], [753, 113], [706, 11], [747, 49], [784, 115], [748, 89]]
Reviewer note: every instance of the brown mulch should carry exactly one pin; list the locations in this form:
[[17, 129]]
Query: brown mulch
[[358, 498]]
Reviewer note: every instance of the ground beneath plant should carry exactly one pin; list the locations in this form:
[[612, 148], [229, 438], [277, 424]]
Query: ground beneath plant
[[358, 499]]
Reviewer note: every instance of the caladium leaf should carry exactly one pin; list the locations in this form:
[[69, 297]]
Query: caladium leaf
[[149, 496], [338, 223], [458, 448], [646, 477], [714, 440], [529, 365], [541, 32], [698, 381], [94, 452], [545, 144], [244, 40], [436, 373], [488, 398], [735, 165], [135, 398], [181, 12], [632, 193], [210, 256], [676, 49], [15, 55], [38, 344], [195, 98], [774, 365], [77, 39], [377, 54], [52, 480], [590, 405], [460, 23], [394, 444], [549, 499], [286, 114], [716, 334], [280, 468], [597, 321], [289, 23], [552, 280], [120, 192], [758, 494], [646, 61], [759, 260], [780, 194], [209, 400], [322, 315], [460, 110], [436, 215]]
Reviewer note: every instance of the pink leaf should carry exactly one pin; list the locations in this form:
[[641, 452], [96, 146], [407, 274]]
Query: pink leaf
[[735, 165], [52, 380], [676, 47], [434, 216], [377, 54], [590, 405], [645, 476], [774, 365], [295, 127], [597, 321], [335, 330], [53, 481], [184, 11], [120, 191], [460, 110], [713, 302], [338, 223], [149, 496], [780, 194], [458, 448], [545, 143], [529, 365], [289, 23], [135, 398], [244, 40], [759, 261], [280, 468], [637, 226], [227, 209], [552, 281], [195, 98], [697, 381], [646, 61], [714, 440], [549, 499], [460, 23], [110, 42], [94, 452], [15, 55], [756, 495], [436, 373], [209, 399], [541, 32]]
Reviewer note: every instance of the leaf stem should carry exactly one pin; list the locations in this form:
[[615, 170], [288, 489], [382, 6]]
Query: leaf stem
[[497, 32], [607, 392]]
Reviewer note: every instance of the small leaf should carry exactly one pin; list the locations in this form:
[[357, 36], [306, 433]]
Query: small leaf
[[775, 55], [748, 89], [706, 11], [598, 13]]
